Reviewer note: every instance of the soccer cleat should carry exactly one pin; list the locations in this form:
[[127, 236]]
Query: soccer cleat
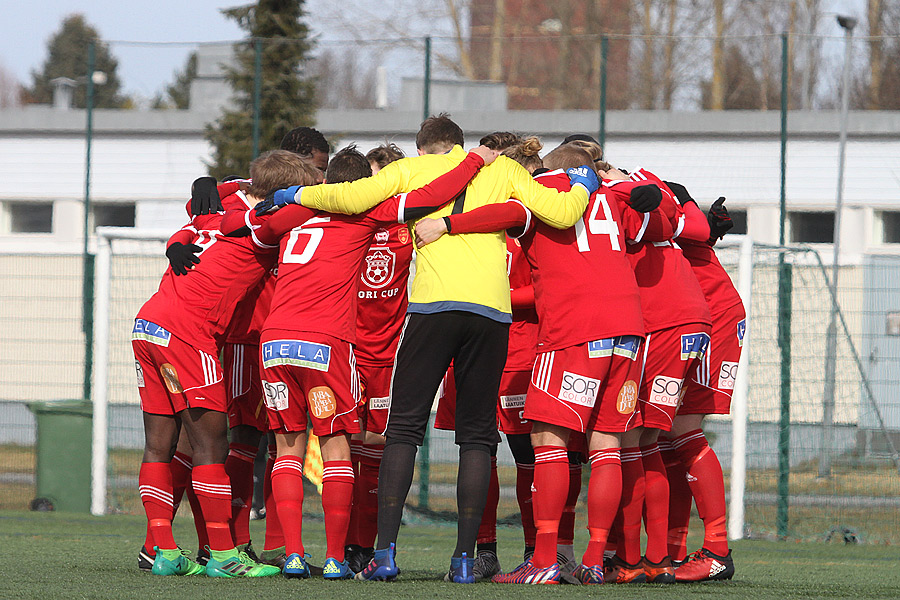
[[531, 574], [358, 557], [203, 556], [486, 565], [333, 570], [460, 570], [588, 575], [238, 564], [619, 571], [382, 567], [248, 548], [295, 567], [704, 565], [661, 572], [274, 557], [174, 562], [145, 559]]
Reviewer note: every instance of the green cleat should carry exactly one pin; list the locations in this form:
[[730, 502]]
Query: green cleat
[[174, 562], [234, 563]]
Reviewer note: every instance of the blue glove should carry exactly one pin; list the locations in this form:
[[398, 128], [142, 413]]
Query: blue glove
[[584, 175], [277, 199]]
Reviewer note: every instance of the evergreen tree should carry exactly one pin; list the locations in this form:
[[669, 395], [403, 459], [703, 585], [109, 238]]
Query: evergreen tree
[[287, 99], [68, 57], [178, 94]]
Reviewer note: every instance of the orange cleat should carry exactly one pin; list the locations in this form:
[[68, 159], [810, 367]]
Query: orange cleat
[[661, 572], [620, 571]]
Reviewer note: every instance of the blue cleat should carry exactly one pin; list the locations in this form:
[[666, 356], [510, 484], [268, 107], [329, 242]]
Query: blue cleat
[[381, 568], [334, 570], [461, 569], [295, 567]]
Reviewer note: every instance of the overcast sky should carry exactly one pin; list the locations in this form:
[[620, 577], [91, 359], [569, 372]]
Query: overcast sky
[[145, 70]]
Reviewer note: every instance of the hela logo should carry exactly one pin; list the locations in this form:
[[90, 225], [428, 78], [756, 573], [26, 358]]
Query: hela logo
[[694, 345], [276, 394], [151, 332], [741, 329], [296, 352], [601, 348], [666, 391], [727, 375], [578, 389]]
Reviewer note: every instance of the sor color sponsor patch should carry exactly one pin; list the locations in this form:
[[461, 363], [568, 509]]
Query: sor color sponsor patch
[[151, 332], [170, 376], [296, 352], [140, 374], [578, 389], [514, 401], [727, 375], [276, 394], [628, 395], [666, 391], [380, 403], [321, 401], [741, 329], [694, 345]]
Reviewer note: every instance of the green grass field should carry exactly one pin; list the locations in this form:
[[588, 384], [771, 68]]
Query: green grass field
[[58, 555]]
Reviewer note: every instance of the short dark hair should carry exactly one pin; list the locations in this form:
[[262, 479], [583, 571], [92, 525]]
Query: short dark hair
[[500, 140], [303, 140], [348, 164], [384, 154], [439, 134]]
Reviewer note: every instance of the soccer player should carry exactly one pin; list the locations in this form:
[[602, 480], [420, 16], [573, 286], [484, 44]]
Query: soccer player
[[176, 344], [676, 341], [307, 353], [460, 294], [696, 470], [585, 376]]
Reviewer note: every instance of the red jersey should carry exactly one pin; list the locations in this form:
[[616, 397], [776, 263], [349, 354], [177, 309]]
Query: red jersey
[[584, 286], [523, 331], [670, 294], [251, 312], [383, 295]]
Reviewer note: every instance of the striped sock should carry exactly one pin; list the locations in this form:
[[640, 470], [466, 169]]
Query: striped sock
[[549, 491], [708, 486], [155, 487], [210, 483], [604, 493], [287, 490], [337, 495]]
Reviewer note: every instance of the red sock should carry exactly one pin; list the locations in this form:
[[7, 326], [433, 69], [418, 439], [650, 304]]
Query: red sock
[[524, 479], [210, 483], [239, 466], [656, 503], [604, 493], [487, 531], [707, 485], [181, 475], [567, 521], [337, 495], [274, 537], [551, 484], [680, 499], [287, 490], [367, 486], [356, 449], [199, 521], [155, 486], [632, 505]]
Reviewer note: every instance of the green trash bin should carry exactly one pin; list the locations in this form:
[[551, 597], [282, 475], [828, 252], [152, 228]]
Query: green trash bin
[[63, 469]]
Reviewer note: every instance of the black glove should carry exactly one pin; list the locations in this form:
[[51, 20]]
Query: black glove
[[719, 221], [680, 192], [645, 198], [183, 257], [205, 197]]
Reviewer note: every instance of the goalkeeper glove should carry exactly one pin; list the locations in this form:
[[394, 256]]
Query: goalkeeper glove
[[584, 175], [182, 257], [645, 198], [205, 197], [277, 199], [680, 192], [719, 221]]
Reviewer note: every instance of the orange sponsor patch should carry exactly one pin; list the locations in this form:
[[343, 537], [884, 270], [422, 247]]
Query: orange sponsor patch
[[627, 397], [403, 235], [322, 403], [170, 376]]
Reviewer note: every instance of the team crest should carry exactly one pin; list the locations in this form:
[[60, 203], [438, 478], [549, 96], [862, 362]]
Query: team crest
[[403, 235], [379, 269]]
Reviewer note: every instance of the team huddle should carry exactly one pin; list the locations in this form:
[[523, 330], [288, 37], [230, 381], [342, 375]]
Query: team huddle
[[574, 307]]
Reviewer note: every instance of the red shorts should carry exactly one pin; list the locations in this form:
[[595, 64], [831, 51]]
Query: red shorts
[[375, 385], [445, 417], [174, 375], [669, 356], [588, 387], [708, 390], [246, 403], [304, 371]]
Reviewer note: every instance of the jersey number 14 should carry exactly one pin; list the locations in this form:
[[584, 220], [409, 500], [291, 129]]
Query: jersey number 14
[[596, 226]]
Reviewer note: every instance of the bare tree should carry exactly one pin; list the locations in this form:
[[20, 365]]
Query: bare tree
[[343, 80], [10, 89]]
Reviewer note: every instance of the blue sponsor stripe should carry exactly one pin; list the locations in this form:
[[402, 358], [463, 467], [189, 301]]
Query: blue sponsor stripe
[[627, 346], [299, 353], [694, 345], [601, 348], [151, 332]]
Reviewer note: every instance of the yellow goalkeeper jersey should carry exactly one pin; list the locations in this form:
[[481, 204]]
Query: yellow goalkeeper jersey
[[457, 272]]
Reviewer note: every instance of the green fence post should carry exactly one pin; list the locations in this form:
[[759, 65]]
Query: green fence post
[[257, 94], [87, 268], [425, 450], [604, 55]]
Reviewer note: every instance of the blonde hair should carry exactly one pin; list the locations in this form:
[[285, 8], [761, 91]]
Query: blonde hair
[[593, 149], [279, 169], [526, 153]]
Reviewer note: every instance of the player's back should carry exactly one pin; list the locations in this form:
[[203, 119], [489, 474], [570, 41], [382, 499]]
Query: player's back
[[711, 275], [585, 288]]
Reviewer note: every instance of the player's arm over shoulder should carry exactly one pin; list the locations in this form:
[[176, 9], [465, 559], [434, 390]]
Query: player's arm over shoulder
[[354, 197], [558, 209]]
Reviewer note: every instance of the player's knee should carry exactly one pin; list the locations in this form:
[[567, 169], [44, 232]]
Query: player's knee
[[476, 447]]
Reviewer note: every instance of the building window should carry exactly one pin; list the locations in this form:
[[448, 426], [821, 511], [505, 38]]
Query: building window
[[30, 217], [739, 218], [812, 227], [890, 222], [113, 215]]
